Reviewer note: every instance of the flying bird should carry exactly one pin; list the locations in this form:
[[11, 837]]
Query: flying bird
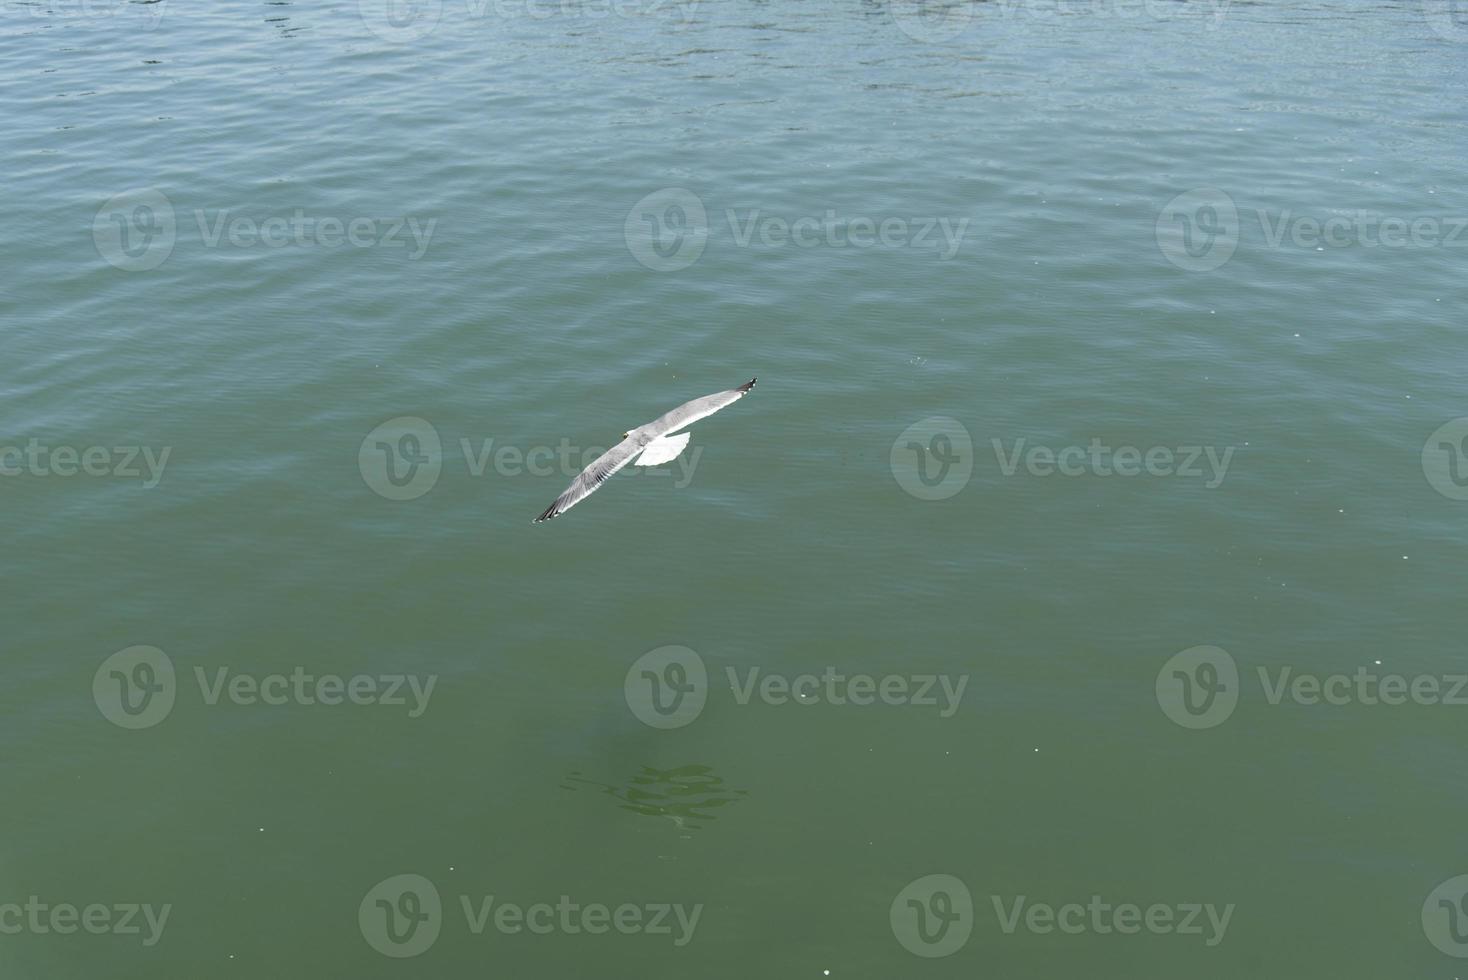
[[650, 445]]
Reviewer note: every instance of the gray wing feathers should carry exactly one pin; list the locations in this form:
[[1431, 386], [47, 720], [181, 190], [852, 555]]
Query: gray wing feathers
[[592, 477], [690, 412]]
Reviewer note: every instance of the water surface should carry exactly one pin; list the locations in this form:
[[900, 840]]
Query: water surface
[[273, 240]]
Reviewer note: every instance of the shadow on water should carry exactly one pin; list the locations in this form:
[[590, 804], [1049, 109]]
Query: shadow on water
[[683, 795], [281, 20]]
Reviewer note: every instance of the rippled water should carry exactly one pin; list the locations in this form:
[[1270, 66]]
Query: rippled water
[[309, 309]]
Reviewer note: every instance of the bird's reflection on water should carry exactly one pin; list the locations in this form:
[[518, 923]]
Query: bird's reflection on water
[[684, 795]]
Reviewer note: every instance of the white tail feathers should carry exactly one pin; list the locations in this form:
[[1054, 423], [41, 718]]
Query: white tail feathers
[[663, 449]]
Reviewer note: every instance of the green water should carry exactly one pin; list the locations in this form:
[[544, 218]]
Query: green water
[[309, 309]]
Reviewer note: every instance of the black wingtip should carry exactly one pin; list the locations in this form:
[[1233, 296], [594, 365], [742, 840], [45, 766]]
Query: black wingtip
[[747, 385]]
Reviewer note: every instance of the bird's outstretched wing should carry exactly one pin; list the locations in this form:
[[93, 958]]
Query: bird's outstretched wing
[[589, 479], [700, 408], [640, 439]]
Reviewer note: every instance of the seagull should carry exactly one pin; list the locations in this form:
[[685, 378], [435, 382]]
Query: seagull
[[650, 445]]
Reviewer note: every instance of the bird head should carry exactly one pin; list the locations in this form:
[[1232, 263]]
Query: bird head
[[626, 434]]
